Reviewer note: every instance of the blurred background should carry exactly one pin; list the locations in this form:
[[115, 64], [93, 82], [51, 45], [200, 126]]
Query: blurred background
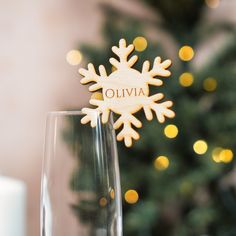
[[179, 178]]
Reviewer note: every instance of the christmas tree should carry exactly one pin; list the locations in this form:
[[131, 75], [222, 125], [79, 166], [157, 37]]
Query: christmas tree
[[179, 179]]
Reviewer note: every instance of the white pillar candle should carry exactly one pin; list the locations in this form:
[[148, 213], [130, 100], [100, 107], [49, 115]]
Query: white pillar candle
[[12, 207]]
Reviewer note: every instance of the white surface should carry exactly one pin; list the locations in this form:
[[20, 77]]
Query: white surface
[[12, 207]]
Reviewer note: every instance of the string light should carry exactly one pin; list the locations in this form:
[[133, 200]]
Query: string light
[[97, 96], [161, 163], [200, 147], [112, 194], [140, 44], [216, 154], [74, 57], [226, 155], [186, 79], [186, 53], [212, 3], [131, 196], [171, 131], [103, 202], [210, 84], [222, 155]]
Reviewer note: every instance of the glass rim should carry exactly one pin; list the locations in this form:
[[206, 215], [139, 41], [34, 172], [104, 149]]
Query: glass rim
[[61, 113], [71, 113], [68, 112]]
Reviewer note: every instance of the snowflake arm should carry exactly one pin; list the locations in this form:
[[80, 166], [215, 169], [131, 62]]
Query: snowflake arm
[[90, 75], [123, 52], [161, 109], [127, 133], [90, 114], [102, 108], [159, 69]]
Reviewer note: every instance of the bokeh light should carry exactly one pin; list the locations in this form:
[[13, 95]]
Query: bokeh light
[[216, 154], [226, 155], [161, 163], [74, 57], [200, 147], [210, 84], [171, 131], [103, 202], [112, 194], [222, 155], [186, 79], [212, 3], [186, 53], [97, 96], [131, 196], [140, 44]]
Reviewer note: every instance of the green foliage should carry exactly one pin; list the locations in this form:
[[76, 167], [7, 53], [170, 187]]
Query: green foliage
[[179, 17], [193, 196]]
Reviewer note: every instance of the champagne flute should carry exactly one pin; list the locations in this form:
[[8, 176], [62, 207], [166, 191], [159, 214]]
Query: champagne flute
[[80, 186]]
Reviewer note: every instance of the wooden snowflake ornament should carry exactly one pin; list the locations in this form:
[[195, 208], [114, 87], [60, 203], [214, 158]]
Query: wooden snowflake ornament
[[126, 91]]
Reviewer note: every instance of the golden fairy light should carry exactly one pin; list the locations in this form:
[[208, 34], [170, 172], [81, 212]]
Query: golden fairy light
[[140, 44], [131, 196], [216, 154], [171, 131], [210, 84], [186, 79], [103, 202], [200, 147], [112, 194], [161, 163], [97, 96], [226, 155], [222, 155], [212, 3], [74, 57], [186, 53]]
